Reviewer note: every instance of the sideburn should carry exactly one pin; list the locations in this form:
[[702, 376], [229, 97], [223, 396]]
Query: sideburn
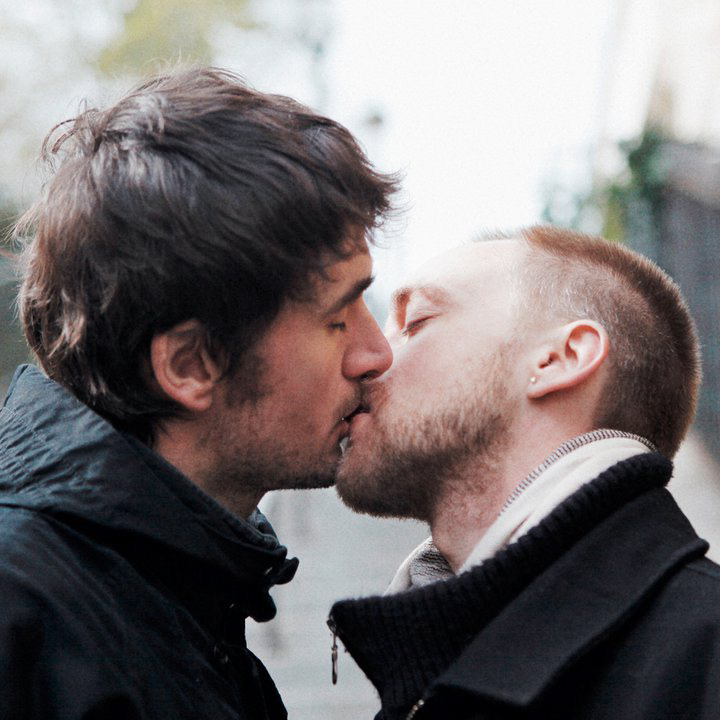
[[245, 382]]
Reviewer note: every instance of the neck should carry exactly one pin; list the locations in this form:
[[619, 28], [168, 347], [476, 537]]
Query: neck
[[460, 522], [182, 447], [470, 504]]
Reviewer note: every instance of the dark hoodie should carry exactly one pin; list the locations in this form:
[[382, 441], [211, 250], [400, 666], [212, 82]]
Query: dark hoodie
[[124, 588]]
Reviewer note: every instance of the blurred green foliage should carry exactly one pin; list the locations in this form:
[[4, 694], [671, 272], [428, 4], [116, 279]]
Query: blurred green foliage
[[158, 32], [638, 192], [154, 34], [8, 216], [13, 349], [625, 208]]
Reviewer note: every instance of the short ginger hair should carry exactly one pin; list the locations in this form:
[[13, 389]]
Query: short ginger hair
[[654, 366]]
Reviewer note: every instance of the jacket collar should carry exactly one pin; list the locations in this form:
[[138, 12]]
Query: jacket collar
[[582, 598], [60, 458], [408, 642]]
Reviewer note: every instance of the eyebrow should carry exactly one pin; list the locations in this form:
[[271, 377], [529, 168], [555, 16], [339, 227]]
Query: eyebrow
[[351, 295], [401, 297], [434, 293]]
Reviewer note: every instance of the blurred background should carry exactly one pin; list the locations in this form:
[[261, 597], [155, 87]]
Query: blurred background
[[602, 115]]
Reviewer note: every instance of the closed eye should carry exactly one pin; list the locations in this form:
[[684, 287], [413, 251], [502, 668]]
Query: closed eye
[[412, 327]]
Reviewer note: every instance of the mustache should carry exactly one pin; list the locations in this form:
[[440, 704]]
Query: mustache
[[354, 405], [367, 397], [372, 394]]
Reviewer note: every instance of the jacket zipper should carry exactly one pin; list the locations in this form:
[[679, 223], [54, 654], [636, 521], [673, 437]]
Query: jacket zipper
[[333, 650], [334, 663]]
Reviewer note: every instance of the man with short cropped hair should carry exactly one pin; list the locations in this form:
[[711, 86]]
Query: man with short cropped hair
[[193, 291], [540, 384]]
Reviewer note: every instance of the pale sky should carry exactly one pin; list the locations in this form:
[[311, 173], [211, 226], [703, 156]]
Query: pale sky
[[482, 102]]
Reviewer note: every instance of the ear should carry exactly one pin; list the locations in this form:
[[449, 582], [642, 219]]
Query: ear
[[183, 367], [572, 355]]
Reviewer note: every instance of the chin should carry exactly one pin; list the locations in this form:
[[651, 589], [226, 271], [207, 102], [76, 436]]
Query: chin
[[347, 467], [353, 483], [368, 499], [303, 482], [318, 477]]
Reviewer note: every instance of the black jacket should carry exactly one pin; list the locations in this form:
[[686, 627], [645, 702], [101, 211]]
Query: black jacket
[[606, 610], [124, 589]]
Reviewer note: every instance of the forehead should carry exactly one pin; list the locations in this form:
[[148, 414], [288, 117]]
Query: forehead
[[343, 276], [470, 272]]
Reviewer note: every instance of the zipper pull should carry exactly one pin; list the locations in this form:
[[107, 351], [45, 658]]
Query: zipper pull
[[334, 659], [333, 650]]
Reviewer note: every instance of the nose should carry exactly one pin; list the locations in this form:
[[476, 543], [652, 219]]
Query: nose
[[368, 354]]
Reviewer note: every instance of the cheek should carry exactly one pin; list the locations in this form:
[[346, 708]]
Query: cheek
[[312, 391], [304, 364], [423, 380], [427, 364], [304, 374]]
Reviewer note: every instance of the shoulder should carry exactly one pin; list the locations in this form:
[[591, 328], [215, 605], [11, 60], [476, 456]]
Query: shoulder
[[683, 612], [698, 581], [50, 575], [63, 591], [703, 571], [55, 638], [36, 545]]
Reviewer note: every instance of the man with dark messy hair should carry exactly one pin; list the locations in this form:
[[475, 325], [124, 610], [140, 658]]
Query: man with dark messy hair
[[541, 383], [193, 292]]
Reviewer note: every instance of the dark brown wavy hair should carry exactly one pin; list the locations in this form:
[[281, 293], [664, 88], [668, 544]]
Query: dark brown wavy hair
[[195, 196]]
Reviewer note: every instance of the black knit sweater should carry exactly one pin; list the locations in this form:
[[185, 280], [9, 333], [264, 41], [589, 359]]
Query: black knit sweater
[[404, 642]]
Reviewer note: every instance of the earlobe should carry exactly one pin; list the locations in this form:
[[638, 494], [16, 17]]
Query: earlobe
[[574, 353], [182, 366]]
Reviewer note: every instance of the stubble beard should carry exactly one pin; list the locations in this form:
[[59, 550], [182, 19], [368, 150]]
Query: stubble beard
[[247, 459], [263, 464], [413, 462]]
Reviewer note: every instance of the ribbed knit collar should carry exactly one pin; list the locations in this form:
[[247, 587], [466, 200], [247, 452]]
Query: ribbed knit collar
[[570, 447], [403, 642]]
